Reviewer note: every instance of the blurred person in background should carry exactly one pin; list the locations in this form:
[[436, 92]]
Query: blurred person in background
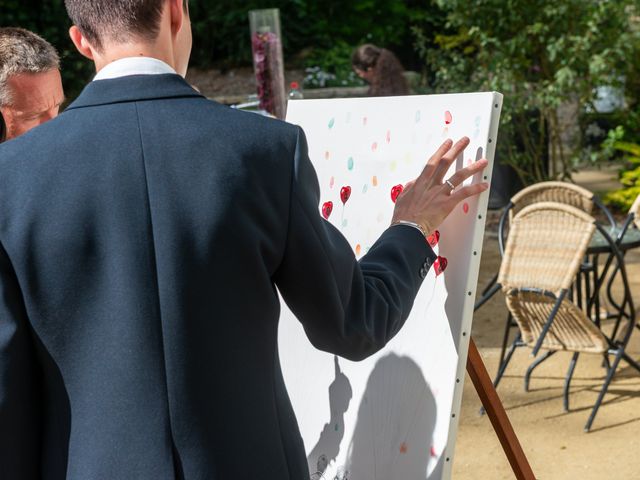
[[30, 83], [381, 69]]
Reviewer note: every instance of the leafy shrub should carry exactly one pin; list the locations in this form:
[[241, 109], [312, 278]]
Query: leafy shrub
[[629, 176]]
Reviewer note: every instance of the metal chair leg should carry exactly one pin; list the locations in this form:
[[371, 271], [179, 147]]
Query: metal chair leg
[[503, 365], [505, 339], [567, 380], [606, 363], [631, 361], [604, 389], [491, 283], [505, 362], [532, 367]]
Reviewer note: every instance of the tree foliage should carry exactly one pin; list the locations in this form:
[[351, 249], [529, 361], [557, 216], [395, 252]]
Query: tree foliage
[[541, 55], [311, 29]]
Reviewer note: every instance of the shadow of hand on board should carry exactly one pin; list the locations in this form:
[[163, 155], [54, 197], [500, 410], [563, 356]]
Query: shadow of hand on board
[[393, 436], [328, 446], [455, 249]]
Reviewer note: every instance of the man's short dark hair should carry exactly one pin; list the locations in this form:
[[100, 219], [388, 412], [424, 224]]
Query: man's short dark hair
[[116, 20]]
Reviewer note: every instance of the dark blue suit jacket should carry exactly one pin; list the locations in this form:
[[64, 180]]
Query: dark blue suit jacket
[[143, 234]]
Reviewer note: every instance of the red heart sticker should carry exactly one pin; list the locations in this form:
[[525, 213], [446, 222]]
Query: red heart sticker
[[440, 265], [327, 208], [434, 238], [395, 192], [345, 193]]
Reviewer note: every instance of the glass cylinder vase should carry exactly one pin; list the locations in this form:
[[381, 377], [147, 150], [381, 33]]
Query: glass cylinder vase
[[266, 45]]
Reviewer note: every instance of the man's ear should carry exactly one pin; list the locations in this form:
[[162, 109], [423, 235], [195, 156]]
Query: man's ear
[[176, 9], [80, 42]]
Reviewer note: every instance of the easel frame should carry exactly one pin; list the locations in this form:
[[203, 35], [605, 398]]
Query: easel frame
[[497, 414]]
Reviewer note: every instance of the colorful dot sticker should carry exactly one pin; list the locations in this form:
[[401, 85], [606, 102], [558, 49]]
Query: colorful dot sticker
[[433, 452], [327, 155], [358, 249], [465, 207], [448, 118], [365, 188], [374, 181], [403, 448], [388, 136], [374, 146], [350, 163], [332, 122]]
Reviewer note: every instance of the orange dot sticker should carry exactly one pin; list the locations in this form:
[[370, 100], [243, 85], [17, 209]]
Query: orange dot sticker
[[358, 249], [403, 447], [374, 181]]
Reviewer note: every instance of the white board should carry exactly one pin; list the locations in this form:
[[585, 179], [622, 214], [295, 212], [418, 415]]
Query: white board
[[394, 415]]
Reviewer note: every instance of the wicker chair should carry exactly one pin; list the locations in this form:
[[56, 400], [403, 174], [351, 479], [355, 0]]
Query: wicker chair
[[559, 192], [543, 255]]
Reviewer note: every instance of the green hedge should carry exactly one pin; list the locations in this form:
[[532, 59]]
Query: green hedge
[[221, 29]]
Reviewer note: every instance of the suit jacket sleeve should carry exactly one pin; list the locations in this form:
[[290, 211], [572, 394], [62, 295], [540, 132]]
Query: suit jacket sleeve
[[19, 383], [347, 307]]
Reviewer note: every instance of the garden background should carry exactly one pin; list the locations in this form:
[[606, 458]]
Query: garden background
[[558, 63]]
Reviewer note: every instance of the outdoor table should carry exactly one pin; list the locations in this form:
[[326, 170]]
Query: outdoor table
[[600, 246]]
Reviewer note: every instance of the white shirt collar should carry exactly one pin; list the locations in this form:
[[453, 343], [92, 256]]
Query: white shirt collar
[[133, 66]]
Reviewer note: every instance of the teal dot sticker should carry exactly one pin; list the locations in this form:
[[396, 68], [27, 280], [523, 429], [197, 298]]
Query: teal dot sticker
[[332, 122], [350, 163]]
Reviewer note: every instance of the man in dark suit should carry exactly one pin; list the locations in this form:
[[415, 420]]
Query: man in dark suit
[[143, 233]]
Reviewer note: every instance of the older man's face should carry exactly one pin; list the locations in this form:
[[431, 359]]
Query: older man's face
[[36, 98]]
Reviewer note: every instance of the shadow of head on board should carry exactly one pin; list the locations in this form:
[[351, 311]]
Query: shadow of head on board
[[393, 435]]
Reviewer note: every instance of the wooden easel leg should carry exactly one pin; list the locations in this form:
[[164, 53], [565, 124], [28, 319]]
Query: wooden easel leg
[[495, 410]]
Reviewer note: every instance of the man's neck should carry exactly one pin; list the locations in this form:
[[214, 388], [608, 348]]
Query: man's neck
[[118, 52]]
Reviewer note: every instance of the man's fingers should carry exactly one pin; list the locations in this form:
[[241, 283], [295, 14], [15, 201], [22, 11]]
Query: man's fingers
[[433, 160], [469, 191], [461, 175], [408, 186], [441, 152], [445, 162]]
